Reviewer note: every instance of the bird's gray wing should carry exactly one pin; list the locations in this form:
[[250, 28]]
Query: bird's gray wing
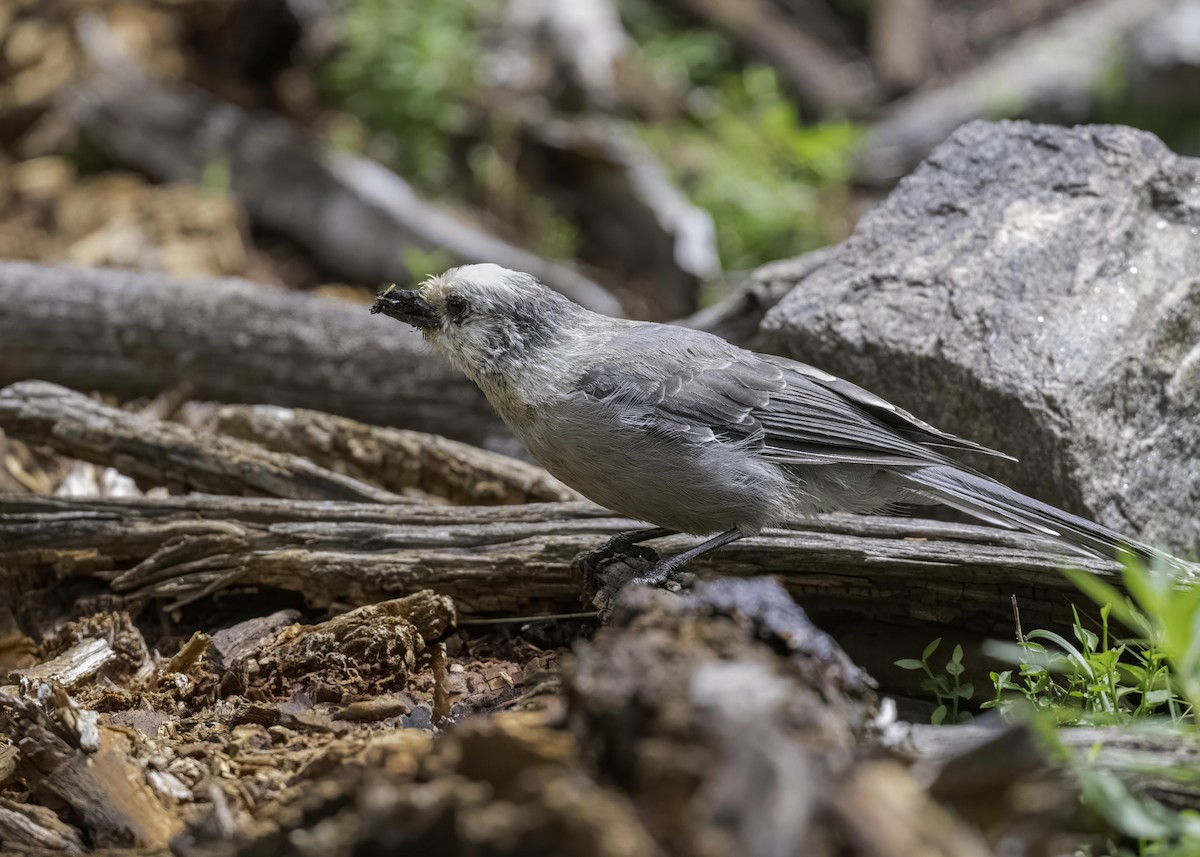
[[697, 387]]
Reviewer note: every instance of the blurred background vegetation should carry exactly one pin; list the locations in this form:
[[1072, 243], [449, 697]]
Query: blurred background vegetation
[[657, 149]]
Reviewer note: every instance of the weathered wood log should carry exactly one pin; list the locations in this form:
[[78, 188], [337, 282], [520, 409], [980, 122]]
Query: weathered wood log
[[32, 829], [396, 459], [232, 341], [517, 560], [157, 452]]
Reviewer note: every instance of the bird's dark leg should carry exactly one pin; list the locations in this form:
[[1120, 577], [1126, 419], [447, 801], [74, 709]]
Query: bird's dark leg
[[623, 541], [667, 567]]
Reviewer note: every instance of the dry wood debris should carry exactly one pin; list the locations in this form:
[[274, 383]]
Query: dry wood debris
[[237, 675]]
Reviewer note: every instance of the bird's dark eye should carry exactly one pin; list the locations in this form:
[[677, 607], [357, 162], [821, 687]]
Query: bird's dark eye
[[457, 307]]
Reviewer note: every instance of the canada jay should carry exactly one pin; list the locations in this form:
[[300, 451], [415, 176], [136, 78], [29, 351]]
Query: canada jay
[[680, 428]]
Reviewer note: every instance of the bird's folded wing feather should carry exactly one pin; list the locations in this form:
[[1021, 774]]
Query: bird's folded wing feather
[[704, 389]]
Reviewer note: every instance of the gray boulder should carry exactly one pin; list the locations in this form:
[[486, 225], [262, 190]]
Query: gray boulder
[[1037, 289]]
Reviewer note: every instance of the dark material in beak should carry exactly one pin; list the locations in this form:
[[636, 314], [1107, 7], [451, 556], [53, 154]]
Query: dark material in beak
[[407, 306]]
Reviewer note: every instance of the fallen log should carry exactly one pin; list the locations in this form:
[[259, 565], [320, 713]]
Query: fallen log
[[160, 453], [229, 340], [398, 460], [517, 560]]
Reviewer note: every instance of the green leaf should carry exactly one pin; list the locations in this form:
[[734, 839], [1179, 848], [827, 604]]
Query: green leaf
[[957, 655], [908, 664], [1139, 818], [955, 668], [931, 648], [939, 714], [1103, 593]]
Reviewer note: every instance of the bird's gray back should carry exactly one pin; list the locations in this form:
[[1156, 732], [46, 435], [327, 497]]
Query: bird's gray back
[[685, 430]]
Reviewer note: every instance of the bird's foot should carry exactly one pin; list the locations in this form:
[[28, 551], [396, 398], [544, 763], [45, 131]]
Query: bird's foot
[[604, 579], [621, 544], [666, 574]]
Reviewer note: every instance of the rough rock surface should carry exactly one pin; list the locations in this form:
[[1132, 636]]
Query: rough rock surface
[[1035, 288]]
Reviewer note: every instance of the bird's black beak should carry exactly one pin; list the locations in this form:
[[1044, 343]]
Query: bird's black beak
[[407, 306]]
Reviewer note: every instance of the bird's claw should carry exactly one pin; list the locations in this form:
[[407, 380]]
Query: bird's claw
[[665, 576]]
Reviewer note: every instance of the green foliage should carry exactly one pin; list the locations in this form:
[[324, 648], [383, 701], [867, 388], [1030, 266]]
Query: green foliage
[[1157, 830], [408, 72], [1164, 610], [420, 264], [1096, 679], [946, 686], [1103, 678], [765, 179], [742, 153]]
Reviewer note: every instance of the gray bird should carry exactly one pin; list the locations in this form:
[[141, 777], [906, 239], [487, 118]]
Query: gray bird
[[686, 431]]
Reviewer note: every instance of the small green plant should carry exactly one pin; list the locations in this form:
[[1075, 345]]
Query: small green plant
[[946, 686], [1096, 679], [1163, 608]]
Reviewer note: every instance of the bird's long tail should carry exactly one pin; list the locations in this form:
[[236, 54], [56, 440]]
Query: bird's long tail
[[996, 503]]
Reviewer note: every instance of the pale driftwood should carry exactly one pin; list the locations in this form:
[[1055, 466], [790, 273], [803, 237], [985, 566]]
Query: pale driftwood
[[399, 460], [355, 216], [73, 666], [636, 221], [516, 560], [232, 341], [157, 452]]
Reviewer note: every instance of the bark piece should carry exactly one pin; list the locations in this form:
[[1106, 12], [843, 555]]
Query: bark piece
[[370, 650], [163, 453], [245, 639], [27, 826], [105, 788], [397, 460], [233, 341]]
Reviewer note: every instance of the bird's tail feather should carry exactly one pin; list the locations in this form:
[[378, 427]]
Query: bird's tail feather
[[990, 500]]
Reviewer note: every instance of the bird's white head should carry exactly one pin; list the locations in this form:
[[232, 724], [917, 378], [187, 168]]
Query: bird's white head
[[486, 319]]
